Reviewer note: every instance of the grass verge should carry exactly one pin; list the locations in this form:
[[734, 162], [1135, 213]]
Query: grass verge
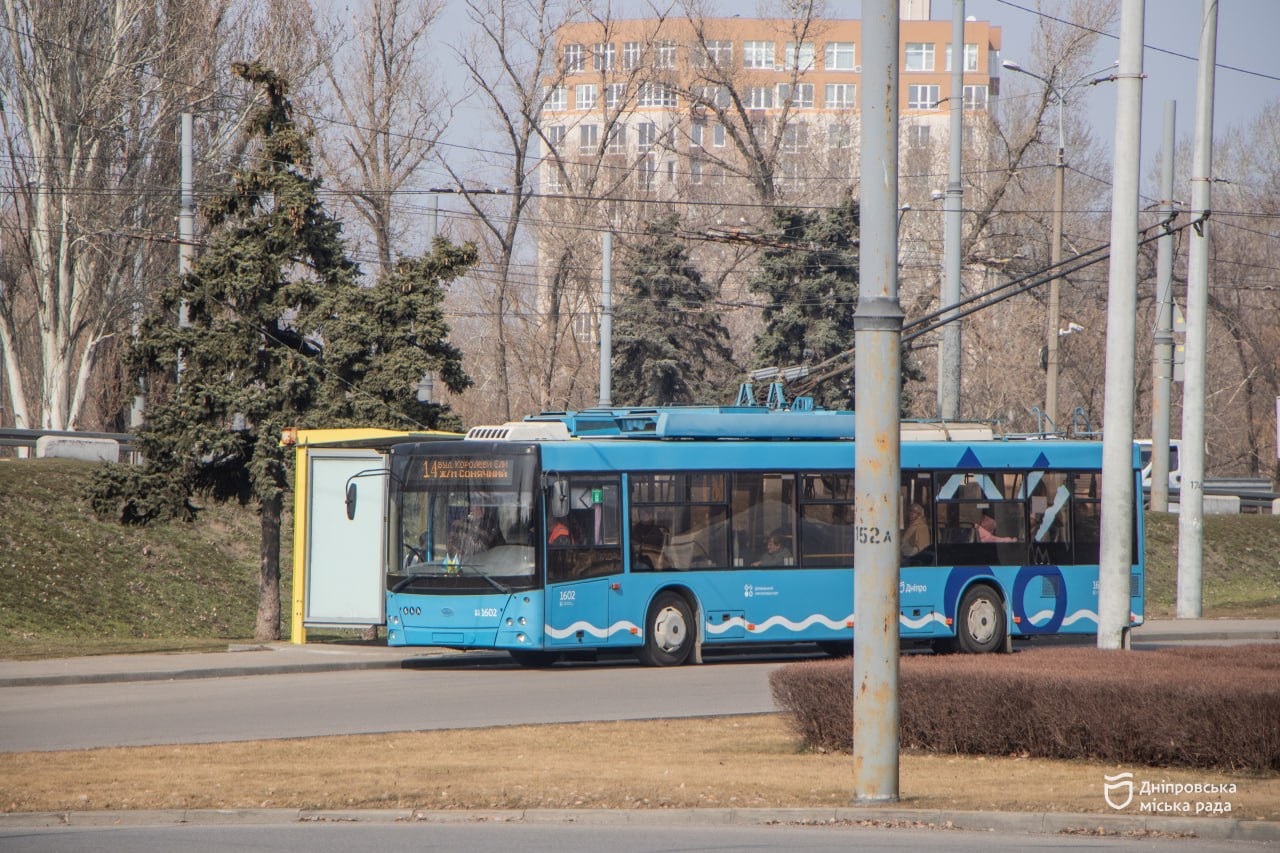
[[743, 762]]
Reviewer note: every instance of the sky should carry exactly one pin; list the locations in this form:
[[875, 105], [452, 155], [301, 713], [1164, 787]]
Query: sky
[[1248, 60]]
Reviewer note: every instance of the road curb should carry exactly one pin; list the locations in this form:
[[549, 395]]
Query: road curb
[[1035, 823]]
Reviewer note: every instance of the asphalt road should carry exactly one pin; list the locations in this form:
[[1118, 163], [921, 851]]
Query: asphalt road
[[210, 710]]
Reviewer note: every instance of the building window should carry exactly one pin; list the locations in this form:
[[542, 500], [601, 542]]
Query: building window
[[664, 54], [799, 56], [757, 54], [840, 96], [695, 133], [795, 137], [838, 56], [554, 185], [713, 96], [970, 57], [918, 136], [656, 95], [922, 97], [602, 57], [588, 138], [839, 136], [555, 98], [919, 56], [969, 136], [717, 136], [584, 327], [617, 139], [555, 135], [632, 54], [646, 135], [648, 166], [714, 53], [799, 96], [586, 95], [615, 95], [975, 97], [759, 97], [575, 59], [695, 171]]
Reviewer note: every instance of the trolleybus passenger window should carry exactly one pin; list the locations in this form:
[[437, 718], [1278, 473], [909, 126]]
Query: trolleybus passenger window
[[826, 523]]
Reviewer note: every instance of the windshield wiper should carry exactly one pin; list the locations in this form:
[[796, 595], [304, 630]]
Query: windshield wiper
[[490, 580]]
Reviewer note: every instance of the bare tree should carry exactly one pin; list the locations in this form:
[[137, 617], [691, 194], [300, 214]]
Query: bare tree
[[509, 58], [381, 77], [92, 90]]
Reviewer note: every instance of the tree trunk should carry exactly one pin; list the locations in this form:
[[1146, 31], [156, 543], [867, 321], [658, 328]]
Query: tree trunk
[[268, 624]]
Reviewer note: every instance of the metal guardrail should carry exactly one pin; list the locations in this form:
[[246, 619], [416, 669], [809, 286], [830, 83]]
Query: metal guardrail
[[27, 438], [1256, 495]]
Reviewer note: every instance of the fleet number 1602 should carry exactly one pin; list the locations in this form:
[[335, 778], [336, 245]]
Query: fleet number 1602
[[487, 611]]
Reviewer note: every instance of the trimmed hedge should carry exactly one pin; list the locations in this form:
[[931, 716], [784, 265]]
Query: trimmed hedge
[[1204, 707]]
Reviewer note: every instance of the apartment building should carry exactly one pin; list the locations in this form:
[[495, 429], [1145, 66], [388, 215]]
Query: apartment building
[[663, 107]]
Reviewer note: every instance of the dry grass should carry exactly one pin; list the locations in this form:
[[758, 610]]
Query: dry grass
[[748, 762]]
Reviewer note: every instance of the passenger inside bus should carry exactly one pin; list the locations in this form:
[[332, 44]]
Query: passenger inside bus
[[477, 531], [915, 538]]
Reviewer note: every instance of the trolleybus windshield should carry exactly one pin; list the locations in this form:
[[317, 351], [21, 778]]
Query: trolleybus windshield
[[462, 523]]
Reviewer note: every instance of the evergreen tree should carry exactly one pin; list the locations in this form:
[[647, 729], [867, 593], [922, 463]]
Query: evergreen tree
[[810, 278], [278, 334], [669, 345]]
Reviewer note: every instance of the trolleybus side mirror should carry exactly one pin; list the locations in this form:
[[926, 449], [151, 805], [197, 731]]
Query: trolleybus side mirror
[[559, 498], [351, 501]]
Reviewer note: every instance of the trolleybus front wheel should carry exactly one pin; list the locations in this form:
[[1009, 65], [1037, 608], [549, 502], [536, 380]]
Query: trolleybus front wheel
[[980, 621], [668, 636]]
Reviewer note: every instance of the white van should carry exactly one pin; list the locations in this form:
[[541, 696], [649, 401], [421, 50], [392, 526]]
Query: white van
[[1175, 462]]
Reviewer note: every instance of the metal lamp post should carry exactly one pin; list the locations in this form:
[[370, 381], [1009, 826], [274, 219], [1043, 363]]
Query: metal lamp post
[[1055, 246]]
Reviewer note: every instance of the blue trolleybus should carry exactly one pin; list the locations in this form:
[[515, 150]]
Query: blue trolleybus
[[664, 532]]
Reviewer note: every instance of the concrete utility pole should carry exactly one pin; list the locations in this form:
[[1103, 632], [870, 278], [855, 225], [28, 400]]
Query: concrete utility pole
[[1162, 348], [606, 321], [186, 209], [950, 354], [1191, 491], [878, 378], [1122, 302]]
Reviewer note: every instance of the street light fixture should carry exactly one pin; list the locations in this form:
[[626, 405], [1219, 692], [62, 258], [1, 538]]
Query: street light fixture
[[1055, 246]]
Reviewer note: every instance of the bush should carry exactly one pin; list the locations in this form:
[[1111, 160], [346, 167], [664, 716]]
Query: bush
[[1210, 708]]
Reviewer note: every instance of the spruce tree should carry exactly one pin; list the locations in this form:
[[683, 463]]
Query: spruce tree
[[669, 345], [278, 333], [810, 279]]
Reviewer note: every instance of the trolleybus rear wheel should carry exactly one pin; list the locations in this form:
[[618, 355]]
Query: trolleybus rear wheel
[[980, 620], [668, 636]]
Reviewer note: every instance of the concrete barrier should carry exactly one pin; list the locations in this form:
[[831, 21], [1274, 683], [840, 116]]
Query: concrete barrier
[[1221, 504], [88, 449]]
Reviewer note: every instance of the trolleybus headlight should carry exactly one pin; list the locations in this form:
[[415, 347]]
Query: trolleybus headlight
[[521, 638], [524, 621], [509, 622]]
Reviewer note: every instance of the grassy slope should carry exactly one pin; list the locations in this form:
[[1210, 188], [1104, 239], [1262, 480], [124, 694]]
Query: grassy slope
[[71, 583]]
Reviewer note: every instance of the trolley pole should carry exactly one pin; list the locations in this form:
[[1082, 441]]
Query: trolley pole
[[1191, 492], [1162, 355], [878, 383], [1122, 302]]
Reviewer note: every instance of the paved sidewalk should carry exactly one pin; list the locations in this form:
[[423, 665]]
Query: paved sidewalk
[[275, 658], [1178, 832]]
